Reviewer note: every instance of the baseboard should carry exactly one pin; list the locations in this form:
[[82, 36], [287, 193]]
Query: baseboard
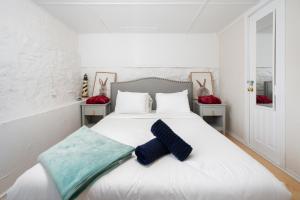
[[287, 171], [292, 174], [238, 138]]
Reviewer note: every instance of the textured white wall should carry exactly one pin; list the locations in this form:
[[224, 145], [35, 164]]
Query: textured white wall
[[39, 63], [39, 81], [134, 56], [232, 77]]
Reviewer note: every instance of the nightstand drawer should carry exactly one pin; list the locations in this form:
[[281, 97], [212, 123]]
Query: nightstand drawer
[[212, 111], [213, 114], [93, 110], [92, 113]]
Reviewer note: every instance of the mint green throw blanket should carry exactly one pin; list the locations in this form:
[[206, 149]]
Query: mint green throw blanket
[[78, 160]]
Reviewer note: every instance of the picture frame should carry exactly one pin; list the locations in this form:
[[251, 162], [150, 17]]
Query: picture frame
[[202, 84], [102, 83]]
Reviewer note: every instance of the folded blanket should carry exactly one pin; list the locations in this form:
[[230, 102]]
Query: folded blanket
[[150, 151], [173, 142], [79, 159]]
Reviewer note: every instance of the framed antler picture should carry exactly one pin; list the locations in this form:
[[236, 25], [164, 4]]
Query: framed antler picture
[[202, 84], [102, 83]]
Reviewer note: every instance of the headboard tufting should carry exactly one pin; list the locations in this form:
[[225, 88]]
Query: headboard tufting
[[151, 85]]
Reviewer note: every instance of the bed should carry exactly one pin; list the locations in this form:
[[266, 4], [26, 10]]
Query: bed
[[217, 169]]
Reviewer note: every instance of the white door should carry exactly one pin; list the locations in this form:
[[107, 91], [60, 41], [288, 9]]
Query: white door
[[265, 83]]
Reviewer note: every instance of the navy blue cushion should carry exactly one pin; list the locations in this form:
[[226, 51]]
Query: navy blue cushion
[[173, 142], [150, 151]]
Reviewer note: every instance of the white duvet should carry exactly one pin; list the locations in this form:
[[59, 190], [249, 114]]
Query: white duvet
[[215, 170]]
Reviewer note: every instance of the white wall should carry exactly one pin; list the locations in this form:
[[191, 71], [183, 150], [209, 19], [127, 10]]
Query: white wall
[[232, 77], [134, 56], [39, 81], [22, 140], [39, 64], [149, 50], [292, 87]]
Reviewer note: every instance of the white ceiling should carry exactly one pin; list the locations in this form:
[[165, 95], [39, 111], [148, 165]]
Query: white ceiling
[[147, 16]]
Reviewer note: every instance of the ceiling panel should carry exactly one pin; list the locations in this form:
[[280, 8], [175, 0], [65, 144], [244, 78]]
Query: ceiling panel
[[83, 19], [146, 1], [117, 1], [152, 18], [216, 16], [161, 16]]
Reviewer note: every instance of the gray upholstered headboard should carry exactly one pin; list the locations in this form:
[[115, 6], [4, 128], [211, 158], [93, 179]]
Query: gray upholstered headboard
[[152, 85]]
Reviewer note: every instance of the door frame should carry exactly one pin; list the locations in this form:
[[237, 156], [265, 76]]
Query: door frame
[[280, 69]]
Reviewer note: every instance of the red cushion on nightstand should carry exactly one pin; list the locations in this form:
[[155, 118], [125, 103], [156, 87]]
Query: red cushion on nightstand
[[211, 99], [97, 100]]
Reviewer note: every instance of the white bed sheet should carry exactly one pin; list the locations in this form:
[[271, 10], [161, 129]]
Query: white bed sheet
[[216, 170]]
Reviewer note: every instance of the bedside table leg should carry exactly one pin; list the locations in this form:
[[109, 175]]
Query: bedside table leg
[[82, 119], [224, 125]]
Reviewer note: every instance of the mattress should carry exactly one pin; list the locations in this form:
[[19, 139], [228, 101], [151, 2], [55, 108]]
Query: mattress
[[216, 169]]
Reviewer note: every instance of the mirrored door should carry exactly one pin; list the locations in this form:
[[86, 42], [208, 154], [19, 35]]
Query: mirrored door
[[264, 110]]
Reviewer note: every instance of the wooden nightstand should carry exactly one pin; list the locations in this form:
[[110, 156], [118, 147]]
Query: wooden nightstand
[[213, 114], [92, 113]]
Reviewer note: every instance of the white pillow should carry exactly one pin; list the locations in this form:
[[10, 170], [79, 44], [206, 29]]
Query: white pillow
[[173, 102], [132, 102]]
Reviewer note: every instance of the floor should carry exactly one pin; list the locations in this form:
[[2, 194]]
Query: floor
[[292, 185]]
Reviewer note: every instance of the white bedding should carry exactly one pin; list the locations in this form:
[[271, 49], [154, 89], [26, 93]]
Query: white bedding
[[216, 169]]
